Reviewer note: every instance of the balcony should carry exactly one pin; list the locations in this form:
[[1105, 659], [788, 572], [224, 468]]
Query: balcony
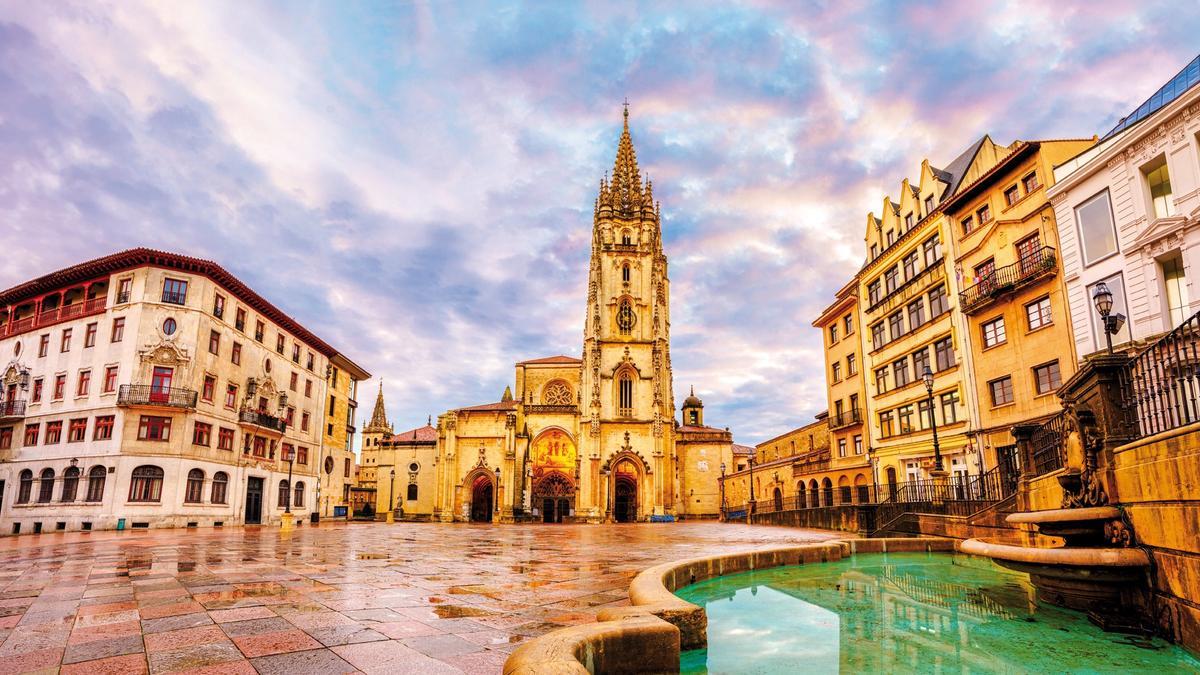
[[122, 297], [175, 297], [1003, 280], [156, 397], [846, 418], [263, 420], [54, 315], [625, 248], [12, 410], [910, 288]]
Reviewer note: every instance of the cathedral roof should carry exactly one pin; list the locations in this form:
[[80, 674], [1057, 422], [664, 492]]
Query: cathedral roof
[[692, 401], [378, 415], [425, 434], [500, 406], [625, 193], [568, 360]]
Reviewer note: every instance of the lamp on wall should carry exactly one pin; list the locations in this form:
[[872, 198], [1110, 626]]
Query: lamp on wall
[[1102, 297], [251, 387], [283, 400]]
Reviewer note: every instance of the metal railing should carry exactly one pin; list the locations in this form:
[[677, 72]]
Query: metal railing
[[12, 409], [1008, 278], [175, 297], [150, 395], [1165, 380], [932, 273], [1048, 442], [845, 418], [263, 419], [123, 297], [54, 315]]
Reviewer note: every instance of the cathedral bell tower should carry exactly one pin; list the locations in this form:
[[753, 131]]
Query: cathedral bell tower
[[627, 402]]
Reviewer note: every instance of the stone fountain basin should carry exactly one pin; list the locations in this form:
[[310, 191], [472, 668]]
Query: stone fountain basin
[[1058, 556], [1080, 527]]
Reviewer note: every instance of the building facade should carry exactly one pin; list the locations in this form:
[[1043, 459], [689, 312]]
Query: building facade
[[844, 379], [337, 448], [780, 468], [149, 389]]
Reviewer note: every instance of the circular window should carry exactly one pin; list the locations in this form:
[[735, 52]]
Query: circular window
[[169, 327], [328, 465], [413, 467], [17, 349], [267, 365]]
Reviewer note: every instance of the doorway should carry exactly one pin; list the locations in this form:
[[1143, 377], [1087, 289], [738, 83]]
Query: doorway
[[778, 499], [554, 510], [625, 504], [160, 384], [481, 500], [254, 493]]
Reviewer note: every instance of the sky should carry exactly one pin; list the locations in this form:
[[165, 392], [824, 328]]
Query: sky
[[413, 181]]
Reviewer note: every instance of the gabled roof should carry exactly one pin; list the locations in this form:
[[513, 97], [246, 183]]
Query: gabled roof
[[959, 167], [499, 406], [564, 360], [425, 434]]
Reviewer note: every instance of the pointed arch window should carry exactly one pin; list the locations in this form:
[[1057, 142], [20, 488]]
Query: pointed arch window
[[626, 238], [625, 393], [625, 272], [626, 317]]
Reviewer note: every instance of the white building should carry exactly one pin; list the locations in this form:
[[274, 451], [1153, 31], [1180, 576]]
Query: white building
[[1127, 212], [149, 389]]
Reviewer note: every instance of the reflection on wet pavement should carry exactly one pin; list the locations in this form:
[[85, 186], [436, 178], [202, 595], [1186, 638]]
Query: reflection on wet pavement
[[367, 597]]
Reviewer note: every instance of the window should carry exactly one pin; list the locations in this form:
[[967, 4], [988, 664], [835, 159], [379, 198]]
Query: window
[[900, 372], [1159, 182], [944, 353], [60, 386], [932, 249], [259, 329], [96, 477], [219, 306], [896, 325], [279, 340], [304, 417], [346, 467], [910, 265], [26, 487], [299, 495], [1012, 195], [124, 290], [881, 379], [77, 430], [625, 317], [152, 428], [231, 391], [1116, 285], [1038, 313], [1029, 253], [851, 364], [1175, 285], [64, 344], [46, 486], [873, 292], [332, 405], [294, 382], [924, 409], [225, 439], [103, 428], [43, 345], [949, 407], [70, 486], [929, 205], [146, 484], [993, 332], [1097, 234], [412, 492], [239, 321], [848, 323], [1030, 182], [295, 353], [874, 251], [284, 494], [891, 279], [905, 415], [89, 335], [878, 339], [168, 326], [220, 484], [625, 393], [1001, 390], [920, 359], [302, 455], [938, 304], [31, 434], [195, 487], [214, 342], [235, 354], [53, 432], [37, 390], [891, 237], [83, 383], [311, 361], [837, 372], [1047, 378], [110, 379], [858, 444], [174, 292], [968, 224], [916, 313], [290, 416], [6, 438], [308, 388], [833, 334], [984, 215], [885, 424], [209, 389], [201, 433], [841, 447], [118, 329]]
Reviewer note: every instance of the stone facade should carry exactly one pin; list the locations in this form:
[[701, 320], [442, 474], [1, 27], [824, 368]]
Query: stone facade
[[337, 454]]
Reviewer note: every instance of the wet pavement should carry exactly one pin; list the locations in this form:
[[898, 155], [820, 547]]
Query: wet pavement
[[362, 597]]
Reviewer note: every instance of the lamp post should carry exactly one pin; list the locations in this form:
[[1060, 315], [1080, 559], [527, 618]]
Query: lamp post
[[285, 525], [927, 376], [1102, 297], [750, 506], [496, 496], [391, 514], [722, 490]]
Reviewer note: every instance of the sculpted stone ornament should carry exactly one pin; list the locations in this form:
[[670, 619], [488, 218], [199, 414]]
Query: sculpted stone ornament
[[1117, 533], [1081, 487]]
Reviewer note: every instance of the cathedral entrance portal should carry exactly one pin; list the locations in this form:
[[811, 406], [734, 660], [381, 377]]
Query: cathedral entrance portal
[[554, 493], [554, 460], [625, 503], [482, 493]]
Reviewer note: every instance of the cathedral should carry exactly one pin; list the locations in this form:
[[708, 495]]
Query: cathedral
[[591, 439]]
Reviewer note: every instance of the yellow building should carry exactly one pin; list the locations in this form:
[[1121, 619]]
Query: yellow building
[[374, 434], [845, 383], [792, 470], [1013, 296], [337, 462]]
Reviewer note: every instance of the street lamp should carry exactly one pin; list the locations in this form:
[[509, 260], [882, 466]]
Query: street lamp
[[750, 509], [392, 492], [927, 376], [722, 490], [496, 496], [289, 453], [1103, 299]]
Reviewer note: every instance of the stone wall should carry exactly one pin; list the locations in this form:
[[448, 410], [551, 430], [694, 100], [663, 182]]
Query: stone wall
[[841, 518]]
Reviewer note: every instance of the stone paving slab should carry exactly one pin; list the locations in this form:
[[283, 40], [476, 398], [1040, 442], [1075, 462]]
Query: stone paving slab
[[352, 598]]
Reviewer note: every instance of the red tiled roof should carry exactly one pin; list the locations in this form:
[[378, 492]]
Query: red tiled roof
[[550, 359], [491, 407], [742, 449], [425, 434], [144, 257]]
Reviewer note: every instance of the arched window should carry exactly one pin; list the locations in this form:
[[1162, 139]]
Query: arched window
[[219, 487], [195, 487], [299, 499], [826, 492], [46, 486], [26, 487], [284, 493], [625, 393], [70, 484], [626, 317], [625, 272], [96, 477], [412, 492], [146, 484], [626, 238]]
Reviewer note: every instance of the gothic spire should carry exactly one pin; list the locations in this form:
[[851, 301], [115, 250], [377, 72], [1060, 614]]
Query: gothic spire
[[624, 192], [378, 416]]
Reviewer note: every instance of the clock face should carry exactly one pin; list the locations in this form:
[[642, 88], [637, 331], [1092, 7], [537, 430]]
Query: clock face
[[328, 465]]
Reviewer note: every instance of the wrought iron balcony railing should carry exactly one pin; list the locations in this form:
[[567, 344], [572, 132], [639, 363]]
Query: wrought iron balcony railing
[[1006, 279], [262, 419], [845, 418], [150, 395], [54, 315], [12, 410]]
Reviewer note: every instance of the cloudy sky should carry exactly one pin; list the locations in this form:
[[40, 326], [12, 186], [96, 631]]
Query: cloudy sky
[[414, 180]]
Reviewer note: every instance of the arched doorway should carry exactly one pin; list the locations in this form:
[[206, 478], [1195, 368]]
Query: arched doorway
[[625, 502], [778, 499], [554, 460], [826, 492], [482, 499], [553, 494], [814, 495], [801, 498]]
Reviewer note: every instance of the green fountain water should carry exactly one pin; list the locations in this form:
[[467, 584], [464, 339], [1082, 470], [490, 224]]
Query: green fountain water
[[905, 613]]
